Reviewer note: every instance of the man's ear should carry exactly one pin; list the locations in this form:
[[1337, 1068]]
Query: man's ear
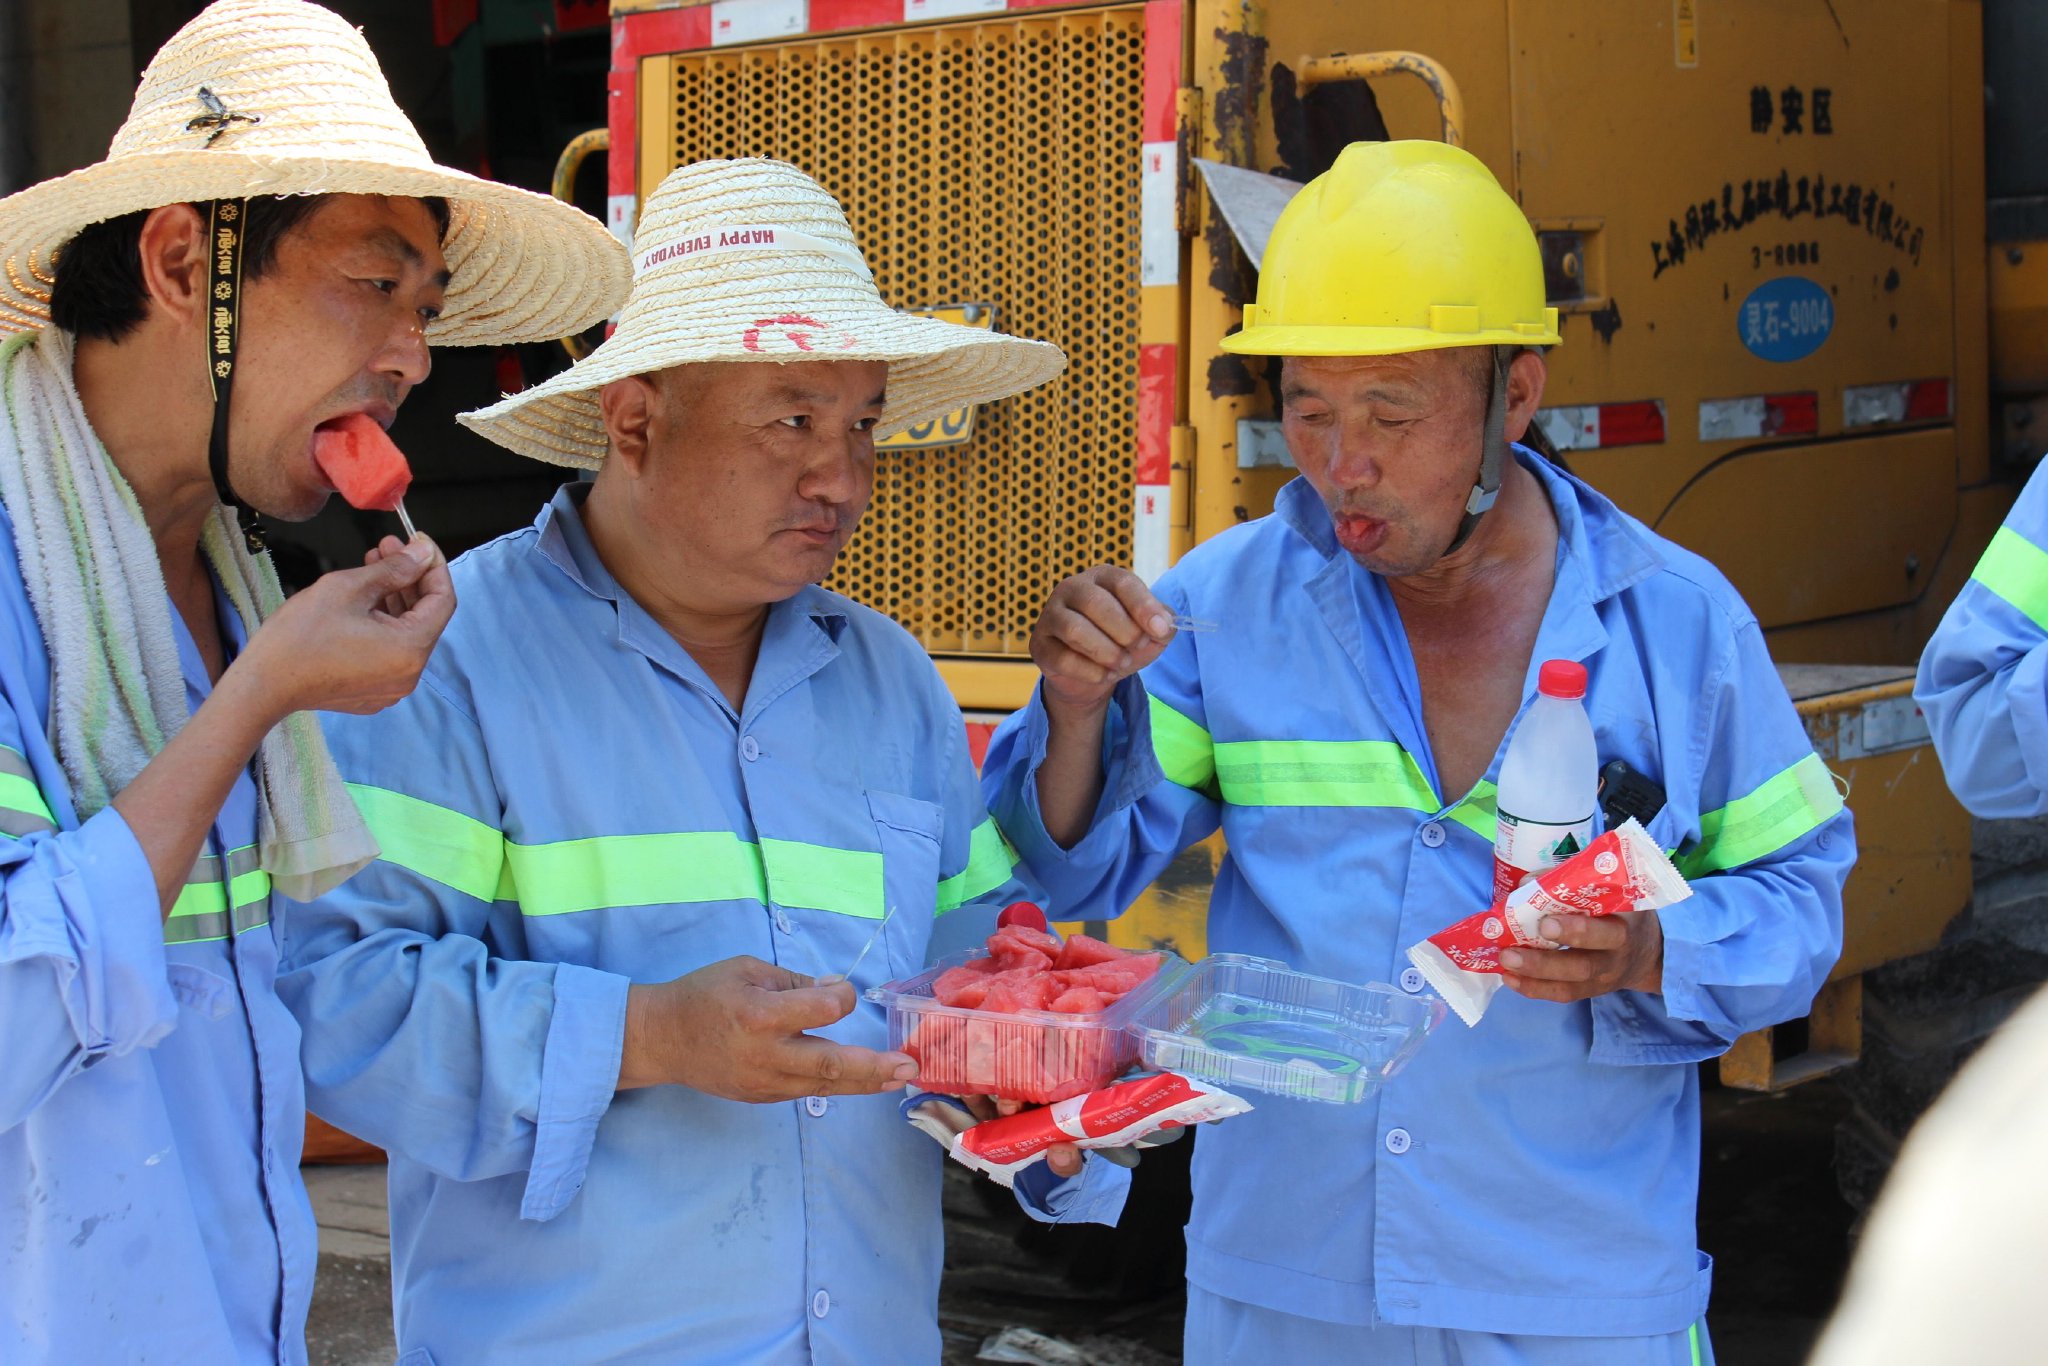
[[1526, 377], [628, 405], [174, 262]]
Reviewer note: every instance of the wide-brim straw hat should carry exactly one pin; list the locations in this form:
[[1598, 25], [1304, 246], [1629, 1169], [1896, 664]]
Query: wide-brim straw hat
[[751, 260], [296, 104]]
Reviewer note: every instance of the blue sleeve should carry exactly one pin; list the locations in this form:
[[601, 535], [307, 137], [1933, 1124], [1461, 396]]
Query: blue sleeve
[[419, 1036], [1095, 1196], [1983, 682], [82, 968], [1766, 844], [83, 974], [1158, 795], [978, 872]]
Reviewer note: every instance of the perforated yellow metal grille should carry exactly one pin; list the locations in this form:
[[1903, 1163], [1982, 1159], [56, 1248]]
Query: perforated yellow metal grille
[[985, 163]]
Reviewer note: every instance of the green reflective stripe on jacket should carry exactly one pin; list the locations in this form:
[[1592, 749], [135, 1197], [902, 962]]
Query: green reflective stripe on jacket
[[1479, 810], [2017, 570], [209, 908], [446, 846], [1779, 811], [635, 870], [817, 877], [692, 866], [1185, 752], [22, 808], [990, 860], [1321, 773]]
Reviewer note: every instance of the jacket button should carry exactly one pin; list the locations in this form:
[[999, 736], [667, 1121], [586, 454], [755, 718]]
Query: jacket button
[[821, 1304], [1398, 1141], [1411, 980], [750, 749], [1433, 835]]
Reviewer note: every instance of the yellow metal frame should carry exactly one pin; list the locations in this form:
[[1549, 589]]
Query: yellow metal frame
[[1358, 66], [580, 149]]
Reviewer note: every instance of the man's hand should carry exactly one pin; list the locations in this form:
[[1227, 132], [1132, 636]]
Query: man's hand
[[1064, 1158], [1099, 627], [355, 640], [736, 1029], [1622, 952]]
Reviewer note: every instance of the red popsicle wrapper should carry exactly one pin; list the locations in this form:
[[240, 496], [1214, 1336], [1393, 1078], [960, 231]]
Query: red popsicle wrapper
[[1622, 870], [1114, 1117]]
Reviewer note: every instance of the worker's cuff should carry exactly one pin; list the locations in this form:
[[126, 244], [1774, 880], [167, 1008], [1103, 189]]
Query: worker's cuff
[[1632, 1029], [579, 1073], [1130, 769], [1096, 1196], [2026, 697], [86, 901]]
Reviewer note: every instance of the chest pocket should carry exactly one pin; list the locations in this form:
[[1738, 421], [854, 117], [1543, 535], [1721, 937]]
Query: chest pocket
[[908, 831]]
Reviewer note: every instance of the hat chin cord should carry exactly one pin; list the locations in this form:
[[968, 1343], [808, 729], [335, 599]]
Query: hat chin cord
[[1493, 454], [224, 225]]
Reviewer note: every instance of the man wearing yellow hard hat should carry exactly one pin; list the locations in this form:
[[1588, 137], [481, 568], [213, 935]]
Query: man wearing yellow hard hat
[[1526, 1191]]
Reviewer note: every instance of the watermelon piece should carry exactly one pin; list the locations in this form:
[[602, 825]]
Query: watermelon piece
[[954, 985], [1082, 950], [355, 456], [1030, 1059]]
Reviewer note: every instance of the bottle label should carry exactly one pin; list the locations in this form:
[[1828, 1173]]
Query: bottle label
[[1522, 849]]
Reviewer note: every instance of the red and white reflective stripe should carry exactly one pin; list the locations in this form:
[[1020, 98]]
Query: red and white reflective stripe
[[950, 9], [1737, 419], [1919, 400], [751, 21], [1152, 514], [1598, 426], [1159, 169]]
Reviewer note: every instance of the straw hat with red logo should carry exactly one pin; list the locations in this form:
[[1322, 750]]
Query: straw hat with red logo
[[751, 260]]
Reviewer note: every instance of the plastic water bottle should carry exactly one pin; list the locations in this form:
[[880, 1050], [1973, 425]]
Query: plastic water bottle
[[1549, 781]]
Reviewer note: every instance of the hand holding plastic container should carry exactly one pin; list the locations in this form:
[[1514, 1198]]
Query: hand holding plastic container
[[1549, 781]]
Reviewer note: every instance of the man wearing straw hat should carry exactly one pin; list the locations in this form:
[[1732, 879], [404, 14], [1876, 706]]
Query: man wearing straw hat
[[266, 248], [663, 755]]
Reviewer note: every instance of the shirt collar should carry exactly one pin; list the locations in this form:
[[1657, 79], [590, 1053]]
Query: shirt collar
[[566, 543], [1607, 545]]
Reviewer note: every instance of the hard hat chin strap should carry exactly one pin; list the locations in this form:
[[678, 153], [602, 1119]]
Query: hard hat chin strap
[[1493, 455], [224, 226]]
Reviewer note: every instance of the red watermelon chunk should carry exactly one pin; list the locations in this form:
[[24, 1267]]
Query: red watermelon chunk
[[955, 987], [1081, 950], [1028, 972]]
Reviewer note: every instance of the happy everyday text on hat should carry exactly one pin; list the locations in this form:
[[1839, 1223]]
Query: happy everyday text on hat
[[752, 237]]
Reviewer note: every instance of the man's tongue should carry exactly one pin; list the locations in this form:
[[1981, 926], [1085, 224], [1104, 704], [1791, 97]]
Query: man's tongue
[[1358, 533]]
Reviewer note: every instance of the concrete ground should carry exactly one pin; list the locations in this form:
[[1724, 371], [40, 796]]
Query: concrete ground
[[1769, 1214]]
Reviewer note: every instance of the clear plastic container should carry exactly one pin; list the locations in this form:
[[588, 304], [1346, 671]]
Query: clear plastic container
[[1038, 1056], [1251, 1023]]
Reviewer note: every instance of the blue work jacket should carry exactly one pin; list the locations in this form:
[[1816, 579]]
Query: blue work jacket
[[151, 1111], [1983, 682], [1535, 1174], [568, 804]]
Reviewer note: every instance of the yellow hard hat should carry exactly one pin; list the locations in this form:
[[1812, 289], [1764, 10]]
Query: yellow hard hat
[[1400, 246]]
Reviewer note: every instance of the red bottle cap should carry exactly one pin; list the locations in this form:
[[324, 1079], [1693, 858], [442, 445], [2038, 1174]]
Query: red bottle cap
[[1022, 913], [1561, 678]]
